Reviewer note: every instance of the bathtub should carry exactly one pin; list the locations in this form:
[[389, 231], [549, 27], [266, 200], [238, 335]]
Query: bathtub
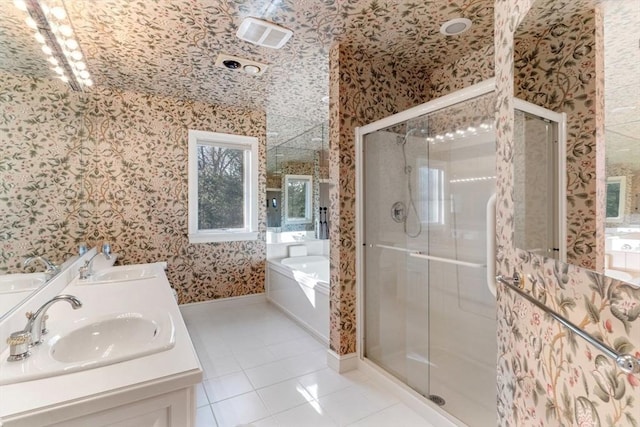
[[299, 286]]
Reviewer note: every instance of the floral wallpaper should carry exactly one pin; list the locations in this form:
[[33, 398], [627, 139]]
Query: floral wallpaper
[[545, 375], [112, 166], [136, 190], [563, 79], [41, 163]]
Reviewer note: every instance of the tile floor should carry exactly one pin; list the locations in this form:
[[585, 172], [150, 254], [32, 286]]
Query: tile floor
[[261, 369]]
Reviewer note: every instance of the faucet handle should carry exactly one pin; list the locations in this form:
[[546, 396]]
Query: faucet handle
[[19, 345]]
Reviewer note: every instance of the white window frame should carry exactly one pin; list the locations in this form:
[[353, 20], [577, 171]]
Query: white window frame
[[250, 145], [622, 183], [307, 199]]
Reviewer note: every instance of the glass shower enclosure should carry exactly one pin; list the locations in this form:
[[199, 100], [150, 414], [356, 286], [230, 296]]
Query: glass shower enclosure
[[426, 185]]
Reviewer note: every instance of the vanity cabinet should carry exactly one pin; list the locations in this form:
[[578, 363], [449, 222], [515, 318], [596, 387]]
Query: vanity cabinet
[[168, 410], [156, 389]]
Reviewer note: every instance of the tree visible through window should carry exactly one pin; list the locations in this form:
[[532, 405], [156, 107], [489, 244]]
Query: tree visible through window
[[223, 187], [220, 188]]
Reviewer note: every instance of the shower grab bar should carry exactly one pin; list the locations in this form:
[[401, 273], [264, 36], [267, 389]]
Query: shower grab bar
[[418, 254], [445, 260], [626, 362], [491, 244]]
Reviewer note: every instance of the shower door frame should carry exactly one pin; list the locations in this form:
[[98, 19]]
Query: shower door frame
[[459, 96]]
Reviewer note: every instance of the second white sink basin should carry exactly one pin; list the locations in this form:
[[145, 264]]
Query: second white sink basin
[[122, 274], [21, 282], [92, 343]]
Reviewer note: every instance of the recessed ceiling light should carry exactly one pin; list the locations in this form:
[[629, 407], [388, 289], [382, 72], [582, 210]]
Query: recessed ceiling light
[[251, 69], [455, 26], [325, 99]]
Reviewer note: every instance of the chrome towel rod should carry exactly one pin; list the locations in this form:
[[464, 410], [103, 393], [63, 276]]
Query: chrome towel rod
[[626, 362]]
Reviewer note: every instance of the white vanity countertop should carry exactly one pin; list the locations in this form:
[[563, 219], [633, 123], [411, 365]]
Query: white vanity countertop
[[165, 371]]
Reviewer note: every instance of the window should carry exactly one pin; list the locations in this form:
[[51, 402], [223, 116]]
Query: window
[[297, 198], [616, 187], [431, 192], [223, 186]]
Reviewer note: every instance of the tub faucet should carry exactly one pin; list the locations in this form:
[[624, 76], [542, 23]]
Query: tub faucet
[[32, 333], [50, 268], [86, 270]]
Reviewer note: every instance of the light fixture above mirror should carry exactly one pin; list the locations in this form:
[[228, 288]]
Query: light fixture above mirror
[[54, 32]]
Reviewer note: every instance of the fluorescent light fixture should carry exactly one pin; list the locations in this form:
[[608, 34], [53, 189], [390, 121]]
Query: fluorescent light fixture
[[54, 32]]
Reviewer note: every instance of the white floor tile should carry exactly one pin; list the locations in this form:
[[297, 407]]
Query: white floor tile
[[285, 395], [201, 396], [256, 357], [398, 415], [263, 370], [268, 374], [323, 382], [218, 366], [347, 406], [266, 422], [242, 409], [290, 348], [307, 362], [377, 395], [205, 418], [307, 415], [227, 386]]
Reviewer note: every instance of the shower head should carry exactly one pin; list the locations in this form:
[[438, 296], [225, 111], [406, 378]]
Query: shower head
[[419, 130]]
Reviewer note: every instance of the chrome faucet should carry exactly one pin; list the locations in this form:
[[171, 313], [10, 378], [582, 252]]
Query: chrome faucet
[[31, 335], [86, 270], [50, 268]]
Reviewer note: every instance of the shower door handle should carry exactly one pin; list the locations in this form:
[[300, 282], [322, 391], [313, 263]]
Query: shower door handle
[[491, 244]]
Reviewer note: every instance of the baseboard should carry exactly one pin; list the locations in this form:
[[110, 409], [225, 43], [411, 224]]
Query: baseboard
[[344, 363], [304, 325], [231, 301]]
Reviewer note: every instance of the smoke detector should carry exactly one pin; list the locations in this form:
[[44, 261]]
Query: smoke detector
[[263, 33], [240, 64]]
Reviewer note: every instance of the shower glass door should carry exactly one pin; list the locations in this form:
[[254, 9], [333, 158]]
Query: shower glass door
[[429, 314]]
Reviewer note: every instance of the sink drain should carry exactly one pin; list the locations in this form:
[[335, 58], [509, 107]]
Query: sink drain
[[436, 399]]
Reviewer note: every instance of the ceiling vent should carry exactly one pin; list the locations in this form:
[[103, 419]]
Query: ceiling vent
[[263, 33], [240, 64]]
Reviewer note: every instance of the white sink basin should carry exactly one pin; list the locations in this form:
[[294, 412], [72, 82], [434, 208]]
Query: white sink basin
[[122, 274], [92, 343], [111, 338], [10, 283]]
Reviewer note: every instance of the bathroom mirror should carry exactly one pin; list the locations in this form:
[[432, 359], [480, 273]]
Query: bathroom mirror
[[297, 198], [41, 181], [581, 58], [302, 154]]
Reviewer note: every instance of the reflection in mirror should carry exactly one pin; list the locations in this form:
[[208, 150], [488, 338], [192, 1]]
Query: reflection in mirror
[[539, 196], [303, 154], [298, 198], [616, 189], [581, 58], [41, 192]]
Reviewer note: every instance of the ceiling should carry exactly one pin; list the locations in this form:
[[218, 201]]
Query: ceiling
[[169, 47]]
